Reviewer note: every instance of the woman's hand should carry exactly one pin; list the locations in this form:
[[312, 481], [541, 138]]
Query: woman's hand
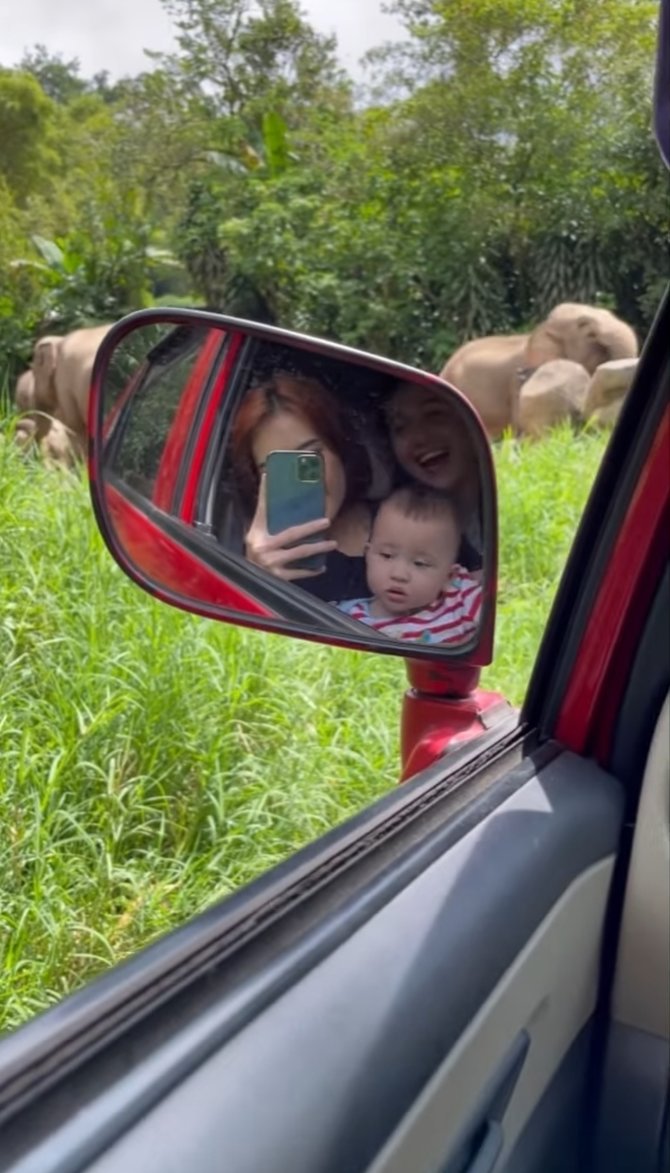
[[269, 550]]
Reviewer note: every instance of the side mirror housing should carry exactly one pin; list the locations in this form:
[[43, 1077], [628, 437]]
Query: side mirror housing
[[266, 478]]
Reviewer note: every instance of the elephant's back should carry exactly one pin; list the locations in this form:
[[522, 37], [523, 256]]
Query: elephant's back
[[80, 344], [482, 355], [484, 370]]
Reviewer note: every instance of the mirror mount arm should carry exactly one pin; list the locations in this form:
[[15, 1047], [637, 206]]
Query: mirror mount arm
[[449, 681], [443, 709]]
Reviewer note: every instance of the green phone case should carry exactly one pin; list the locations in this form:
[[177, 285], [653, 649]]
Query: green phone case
[[295, 493]]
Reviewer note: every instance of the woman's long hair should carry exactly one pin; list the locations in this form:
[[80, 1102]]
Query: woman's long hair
[[309, 400]]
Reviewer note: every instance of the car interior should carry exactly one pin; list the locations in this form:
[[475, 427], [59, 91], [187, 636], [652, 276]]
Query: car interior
[[634, 1106]]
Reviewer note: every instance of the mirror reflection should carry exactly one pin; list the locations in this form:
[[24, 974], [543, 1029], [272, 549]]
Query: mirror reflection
[[340, 481]]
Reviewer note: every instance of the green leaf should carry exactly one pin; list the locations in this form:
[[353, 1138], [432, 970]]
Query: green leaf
[[26, 263], [50, 251], [226, 162], [164, 256], [275, 143]]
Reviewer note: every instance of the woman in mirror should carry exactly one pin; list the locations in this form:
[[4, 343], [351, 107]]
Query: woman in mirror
[[293, 412], [432, 446]]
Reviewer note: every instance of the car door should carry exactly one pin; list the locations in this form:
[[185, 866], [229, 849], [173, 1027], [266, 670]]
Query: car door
[[428, 987]]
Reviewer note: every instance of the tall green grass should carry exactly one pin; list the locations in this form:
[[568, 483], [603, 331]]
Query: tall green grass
[[542, 491], [152, 762]]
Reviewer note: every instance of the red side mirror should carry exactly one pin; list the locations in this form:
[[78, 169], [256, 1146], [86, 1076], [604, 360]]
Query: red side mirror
[[262, 477]]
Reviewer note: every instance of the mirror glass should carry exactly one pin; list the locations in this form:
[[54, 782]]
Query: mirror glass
[[270, 478]]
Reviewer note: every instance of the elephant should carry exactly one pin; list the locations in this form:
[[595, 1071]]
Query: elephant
[[24, 393], [62, 367], [490, 371], [45, 356], [58, 446]]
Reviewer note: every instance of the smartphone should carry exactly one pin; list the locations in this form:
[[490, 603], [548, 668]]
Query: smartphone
[[295, 493]]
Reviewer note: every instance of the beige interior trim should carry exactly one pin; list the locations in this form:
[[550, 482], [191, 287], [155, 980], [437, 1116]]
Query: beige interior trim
[[551, 991], [642, 986]]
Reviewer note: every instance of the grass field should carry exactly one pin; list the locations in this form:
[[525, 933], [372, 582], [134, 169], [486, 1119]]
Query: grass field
[[151, 762]]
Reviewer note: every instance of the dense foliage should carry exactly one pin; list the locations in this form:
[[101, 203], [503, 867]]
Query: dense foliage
[[500, 160]]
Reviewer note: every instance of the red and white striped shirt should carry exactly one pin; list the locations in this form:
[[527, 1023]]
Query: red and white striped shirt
[[449, 620]]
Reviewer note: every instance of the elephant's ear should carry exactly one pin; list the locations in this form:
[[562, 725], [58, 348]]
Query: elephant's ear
[[544, 345], [45, 356]]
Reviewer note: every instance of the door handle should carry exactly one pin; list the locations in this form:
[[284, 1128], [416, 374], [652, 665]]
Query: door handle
[[481, 1139], [487, 1150]]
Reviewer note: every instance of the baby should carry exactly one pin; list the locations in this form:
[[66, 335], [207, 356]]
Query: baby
[[418, 591]]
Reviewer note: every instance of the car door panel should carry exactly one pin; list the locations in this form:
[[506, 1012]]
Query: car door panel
[[552, 1141], [648, 686], [637, 1058], [541, 996], [642, 984], [634, 1103], [484, 942]]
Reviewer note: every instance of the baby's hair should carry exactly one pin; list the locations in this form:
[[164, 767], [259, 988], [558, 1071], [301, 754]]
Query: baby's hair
[[422, 503]]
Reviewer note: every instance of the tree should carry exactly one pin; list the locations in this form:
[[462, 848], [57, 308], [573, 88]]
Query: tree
[[161, 138], [503, 163], [59, 79], [531, 108], [245, 58], [27, 160]]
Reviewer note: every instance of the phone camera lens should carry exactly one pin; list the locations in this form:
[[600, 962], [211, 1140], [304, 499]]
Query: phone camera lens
[[308, 469]]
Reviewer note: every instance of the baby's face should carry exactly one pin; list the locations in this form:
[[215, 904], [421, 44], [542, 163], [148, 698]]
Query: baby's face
[[409, 561]]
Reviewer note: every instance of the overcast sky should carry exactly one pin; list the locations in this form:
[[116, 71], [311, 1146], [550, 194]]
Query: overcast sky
[[111, 34]]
